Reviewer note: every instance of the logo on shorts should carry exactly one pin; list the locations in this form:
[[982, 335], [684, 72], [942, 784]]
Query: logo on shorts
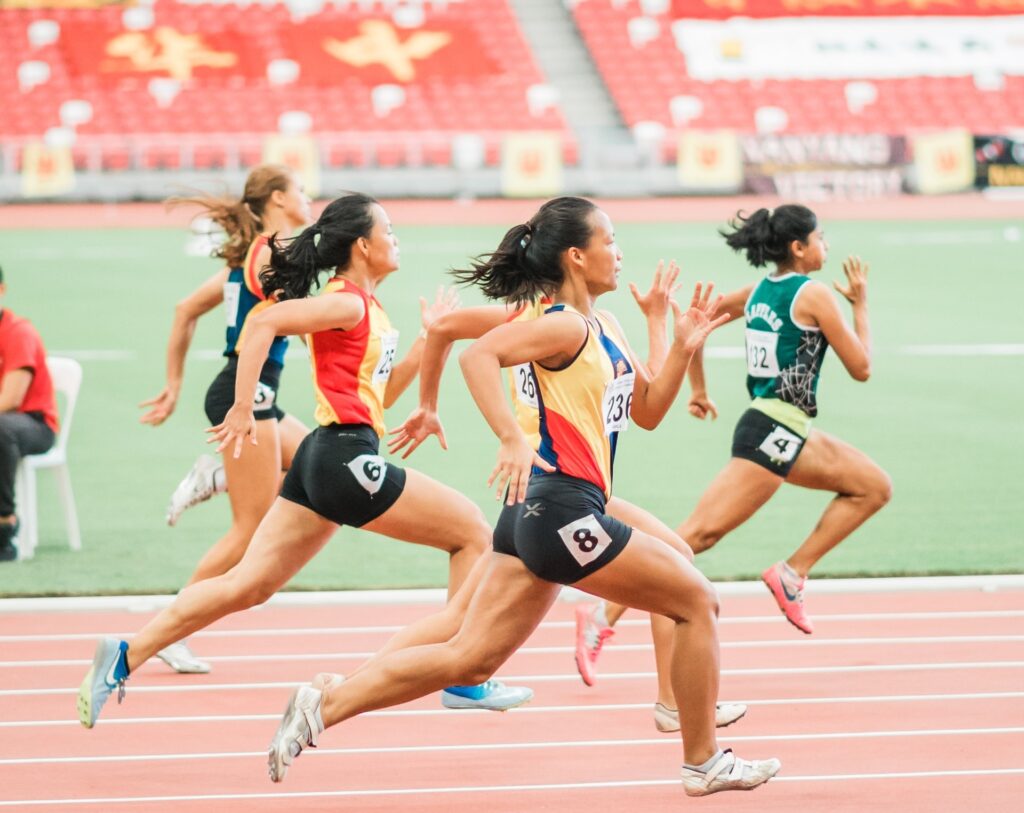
[[533, 510], [369, 471]]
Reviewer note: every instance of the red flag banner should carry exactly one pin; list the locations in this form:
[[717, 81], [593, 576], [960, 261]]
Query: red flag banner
[[113, 54], [378, 52], [723, 9]]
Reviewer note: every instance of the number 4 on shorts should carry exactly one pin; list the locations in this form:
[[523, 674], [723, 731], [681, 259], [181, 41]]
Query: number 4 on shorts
[[781, 445], [585, 539]]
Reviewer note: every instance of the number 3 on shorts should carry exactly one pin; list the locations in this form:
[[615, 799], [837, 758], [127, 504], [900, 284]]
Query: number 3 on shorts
[[585, 539]]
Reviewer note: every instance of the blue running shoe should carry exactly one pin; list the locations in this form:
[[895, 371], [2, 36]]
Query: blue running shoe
[[492, 696], [108, 672]]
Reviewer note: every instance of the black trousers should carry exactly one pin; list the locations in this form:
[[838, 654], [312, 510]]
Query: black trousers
[[20, 434]]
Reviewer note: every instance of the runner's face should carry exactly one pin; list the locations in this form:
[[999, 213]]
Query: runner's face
[[383, 253], [815, 252], [602, 259], [296, 203]]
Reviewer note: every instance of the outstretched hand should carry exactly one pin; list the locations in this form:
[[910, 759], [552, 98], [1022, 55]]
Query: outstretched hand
[[420, 425], [444, 303], [856, 291], [161, 407], [516, 459], [692, 327], [663, 286], [700, 406], [237, 425]]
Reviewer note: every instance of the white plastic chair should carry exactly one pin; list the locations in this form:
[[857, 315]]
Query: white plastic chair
[[67, 380]]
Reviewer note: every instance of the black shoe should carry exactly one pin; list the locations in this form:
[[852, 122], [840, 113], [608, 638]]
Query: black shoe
[[8, 532]]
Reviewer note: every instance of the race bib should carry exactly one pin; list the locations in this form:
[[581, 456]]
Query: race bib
[[526, 385], [232, 293], [369, 471], [762, 357], [388, 348], [264, 398], [618, 397], [585, 539], [781, 445]]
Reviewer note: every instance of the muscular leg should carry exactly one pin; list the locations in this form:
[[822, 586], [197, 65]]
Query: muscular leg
[[733, 497], [504, 610], [430, 513], [662, 628], [861, 486], [288, 537], [254, 479], [292, 432], [651, 576]]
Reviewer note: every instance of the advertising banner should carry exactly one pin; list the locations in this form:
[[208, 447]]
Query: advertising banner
[[943, 162], [710, 161], [46, 172], [999, 161], [531, 165]]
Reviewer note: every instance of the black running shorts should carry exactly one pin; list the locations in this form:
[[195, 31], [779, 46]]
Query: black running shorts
[[560, 531], [763, 440], [338, 473], [220, 396]]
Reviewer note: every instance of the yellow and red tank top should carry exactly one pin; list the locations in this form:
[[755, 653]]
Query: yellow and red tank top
[[351, 367], [522, 384], [243, 297], [583, 406]]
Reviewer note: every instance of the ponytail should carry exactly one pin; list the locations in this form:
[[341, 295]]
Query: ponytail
[[240, 218], [296, 264], [766, 235], [528, 261]]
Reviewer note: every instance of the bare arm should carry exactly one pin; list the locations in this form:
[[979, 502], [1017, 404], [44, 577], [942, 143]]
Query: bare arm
[[551, 340], [816, 304], [467, 323], [186, 314], [654, 306], [14, 387], [700, 404], [288, 318], [403, 373]]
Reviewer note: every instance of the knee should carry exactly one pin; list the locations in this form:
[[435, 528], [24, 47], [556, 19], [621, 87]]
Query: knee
[[475, 534], [701, 538], [475, 665], [700, 602], [245, 593], [879, 491]]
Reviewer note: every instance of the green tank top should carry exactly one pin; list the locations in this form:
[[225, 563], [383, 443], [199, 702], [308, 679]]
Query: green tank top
[[783, 357]]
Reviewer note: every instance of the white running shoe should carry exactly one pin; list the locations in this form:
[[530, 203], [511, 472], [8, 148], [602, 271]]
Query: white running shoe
[[300, 727], [182, 660], [729, 772], [666, 720], [198, 486], [493, 695]]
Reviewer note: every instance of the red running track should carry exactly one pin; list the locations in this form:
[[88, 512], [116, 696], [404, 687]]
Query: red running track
[[900, 701]]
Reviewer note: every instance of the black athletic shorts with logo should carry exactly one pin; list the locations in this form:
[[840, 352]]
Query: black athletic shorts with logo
[[560, 532], [338, 473], [220, 395], [765, 441]]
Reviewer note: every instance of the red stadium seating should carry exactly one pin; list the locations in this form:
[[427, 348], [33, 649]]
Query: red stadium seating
[[644, 79], [215, 106]]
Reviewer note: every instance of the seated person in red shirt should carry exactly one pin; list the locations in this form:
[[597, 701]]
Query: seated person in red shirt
[[28, 411]]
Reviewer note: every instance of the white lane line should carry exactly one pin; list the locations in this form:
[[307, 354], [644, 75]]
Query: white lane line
[[772, 670], [626, 622], [802, 643], [943, 350], [519, 746], [634, 783], [531, 709]]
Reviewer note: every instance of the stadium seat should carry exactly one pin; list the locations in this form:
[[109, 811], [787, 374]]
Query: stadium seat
[[67, 380]]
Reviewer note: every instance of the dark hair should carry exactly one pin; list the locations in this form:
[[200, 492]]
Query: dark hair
[[240, 217], [296, 263], [527, 262], [766, 235]]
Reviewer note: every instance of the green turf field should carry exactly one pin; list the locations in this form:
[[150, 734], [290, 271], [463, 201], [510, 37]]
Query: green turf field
[[947, 425]]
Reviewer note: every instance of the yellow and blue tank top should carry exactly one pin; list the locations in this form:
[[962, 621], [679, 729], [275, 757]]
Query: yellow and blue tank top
[[784, 357], [522, 383], [243, 297], [582, 406]]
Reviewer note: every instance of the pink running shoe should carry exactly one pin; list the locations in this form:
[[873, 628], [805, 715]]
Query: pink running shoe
[[589, 640], [789, 598]]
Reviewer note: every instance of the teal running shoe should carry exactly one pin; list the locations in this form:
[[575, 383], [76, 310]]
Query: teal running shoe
[[108, 672], [492, 696]]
